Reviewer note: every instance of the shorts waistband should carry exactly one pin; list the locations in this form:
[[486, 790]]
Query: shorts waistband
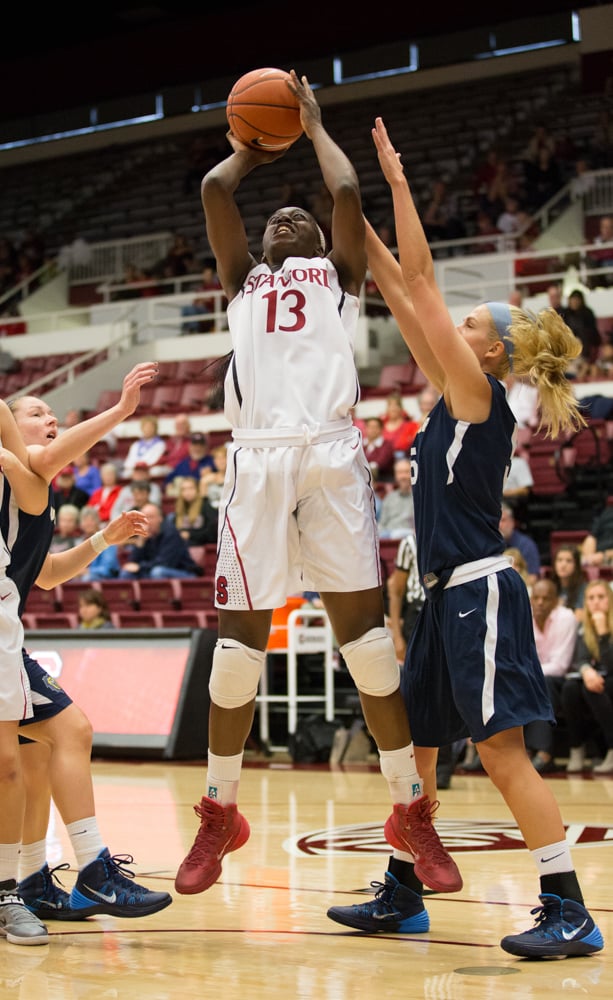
[[274, 437], [477, 569]]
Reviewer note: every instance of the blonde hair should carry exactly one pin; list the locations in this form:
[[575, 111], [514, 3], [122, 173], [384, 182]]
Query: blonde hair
[[590, 636], [542, 348], [519, 563]]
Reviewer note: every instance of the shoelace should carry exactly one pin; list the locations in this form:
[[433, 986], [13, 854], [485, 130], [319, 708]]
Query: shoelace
[[53, 878], [213, 822], [423, 835], [541, 914], [117, 864], [382, 890]]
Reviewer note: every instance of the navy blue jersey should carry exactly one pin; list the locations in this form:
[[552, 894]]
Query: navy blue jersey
[[458, 471], [28, 537]]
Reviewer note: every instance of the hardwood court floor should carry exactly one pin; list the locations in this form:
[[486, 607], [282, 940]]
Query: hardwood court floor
[[317, 840]]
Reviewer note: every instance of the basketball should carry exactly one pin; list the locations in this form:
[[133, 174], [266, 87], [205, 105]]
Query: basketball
[[262, 112]]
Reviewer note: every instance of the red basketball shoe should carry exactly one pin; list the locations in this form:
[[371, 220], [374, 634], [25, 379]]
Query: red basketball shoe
[[410, 828], [222, 829]]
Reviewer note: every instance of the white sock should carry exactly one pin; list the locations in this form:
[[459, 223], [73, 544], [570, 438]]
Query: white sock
[[553, 859], [398, 768], [32, 858], [85, 839], [223, 776], [9, 862]]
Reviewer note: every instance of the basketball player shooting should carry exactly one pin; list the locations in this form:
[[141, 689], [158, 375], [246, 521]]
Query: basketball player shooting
[[297, 510]]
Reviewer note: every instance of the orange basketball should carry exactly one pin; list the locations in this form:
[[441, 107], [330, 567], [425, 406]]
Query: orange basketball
[[262, 111]]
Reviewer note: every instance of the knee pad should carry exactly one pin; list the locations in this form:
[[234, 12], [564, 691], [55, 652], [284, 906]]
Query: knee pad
[[371, 661], [235, 674]]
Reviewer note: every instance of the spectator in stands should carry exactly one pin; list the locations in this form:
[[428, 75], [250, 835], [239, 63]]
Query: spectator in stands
[[66, 491], [509, 221], [94, 612], [212, 480], [518, 483], [597, 547], [75, 252], [440, 216], [67, 533], [398, 428], [87, 474], [582, 180], [543, 179], [555, 633], [198, 458], [520, 540], [397, 516], [203, 304], [554, 297], [587, 701], [140, 477], [105, 565], [582, 321], [523, 399], [426, 400], [570, 577], [133, 496], [162, 555], [179, 259], [104, 498], [540, 139], [177, 446], [148, 448], [601, 257], [378, 450], [485, 226], [194, 517]]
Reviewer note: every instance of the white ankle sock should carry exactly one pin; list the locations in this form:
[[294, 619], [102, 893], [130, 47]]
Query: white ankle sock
[[223, 776], [85, 839], [32, 858]]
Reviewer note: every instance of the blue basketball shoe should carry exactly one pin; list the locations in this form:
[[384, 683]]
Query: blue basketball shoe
[[44, 896], [563, 928], [395, 909], [105, 885]]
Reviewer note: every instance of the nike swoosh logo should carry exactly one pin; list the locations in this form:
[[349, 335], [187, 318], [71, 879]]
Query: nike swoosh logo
[[552, 858], [3, 597], [569, 935], [221, 853], [463, 614], [101, 895]]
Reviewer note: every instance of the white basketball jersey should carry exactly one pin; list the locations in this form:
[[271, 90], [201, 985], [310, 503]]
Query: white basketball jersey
[[293, 334]]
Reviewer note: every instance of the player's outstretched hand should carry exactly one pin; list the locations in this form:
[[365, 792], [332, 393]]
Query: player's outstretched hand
[[389, 159], [126, 526], [141, 375]]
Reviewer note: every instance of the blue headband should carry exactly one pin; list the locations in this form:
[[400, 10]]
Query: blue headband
[[502, 316]]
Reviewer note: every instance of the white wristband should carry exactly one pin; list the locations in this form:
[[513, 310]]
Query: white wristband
[[99, 542]]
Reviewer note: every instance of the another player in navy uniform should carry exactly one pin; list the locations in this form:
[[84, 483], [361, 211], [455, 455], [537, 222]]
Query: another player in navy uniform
[[59, 756], [297, 511], [471, 667]]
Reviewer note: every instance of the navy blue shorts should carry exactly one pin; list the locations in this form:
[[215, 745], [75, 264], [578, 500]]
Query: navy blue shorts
[[48, 698], [472, 668]]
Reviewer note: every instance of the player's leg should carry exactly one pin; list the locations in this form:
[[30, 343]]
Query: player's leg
[[60, 761], [563, 927], [238, 661]]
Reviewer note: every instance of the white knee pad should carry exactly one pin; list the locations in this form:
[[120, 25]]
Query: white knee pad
[[371, 661], [235, 674]]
